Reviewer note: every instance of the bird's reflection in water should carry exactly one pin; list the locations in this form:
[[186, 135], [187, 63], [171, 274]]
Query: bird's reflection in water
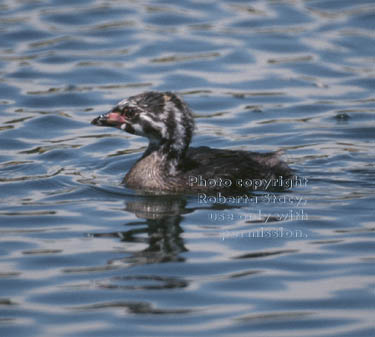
[[155, 237], [160, 230], [163, 216]]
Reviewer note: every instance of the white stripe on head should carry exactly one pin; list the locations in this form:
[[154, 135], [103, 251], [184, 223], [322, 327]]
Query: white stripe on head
[[123, 102], [179, 132], [156, 125]]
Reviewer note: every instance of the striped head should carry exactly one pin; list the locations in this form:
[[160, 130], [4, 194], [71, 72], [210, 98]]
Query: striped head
[[162, 117]]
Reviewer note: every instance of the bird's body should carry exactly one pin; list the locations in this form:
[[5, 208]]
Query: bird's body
[[169, 164]]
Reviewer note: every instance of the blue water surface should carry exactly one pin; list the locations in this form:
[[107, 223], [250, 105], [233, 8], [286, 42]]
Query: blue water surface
[[81, 255]]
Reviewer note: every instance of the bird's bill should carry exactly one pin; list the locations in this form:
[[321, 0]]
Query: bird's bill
[[114, 119]]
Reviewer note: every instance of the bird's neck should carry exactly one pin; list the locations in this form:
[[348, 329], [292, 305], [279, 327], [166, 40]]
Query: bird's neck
[[170, 153]]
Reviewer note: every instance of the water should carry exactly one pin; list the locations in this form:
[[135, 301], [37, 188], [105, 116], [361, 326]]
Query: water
[[83, 256]]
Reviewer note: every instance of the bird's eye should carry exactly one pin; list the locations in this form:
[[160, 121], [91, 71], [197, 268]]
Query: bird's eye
[[130, 112]]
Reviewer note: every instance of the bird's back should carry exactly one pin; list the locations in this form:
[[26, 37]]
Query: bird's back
[[233, 166]]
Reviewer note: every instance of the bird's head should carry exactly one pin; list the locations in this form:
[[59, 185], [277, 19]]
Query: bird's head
[[162, 117]]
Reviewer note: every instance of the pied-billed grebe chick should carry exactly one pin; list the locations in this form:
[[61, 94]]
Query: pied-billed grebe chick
[[169, 164]]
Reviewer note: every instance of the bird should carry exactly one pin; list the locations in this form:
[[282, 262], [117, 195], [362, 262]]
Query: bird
[[170, 164]]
